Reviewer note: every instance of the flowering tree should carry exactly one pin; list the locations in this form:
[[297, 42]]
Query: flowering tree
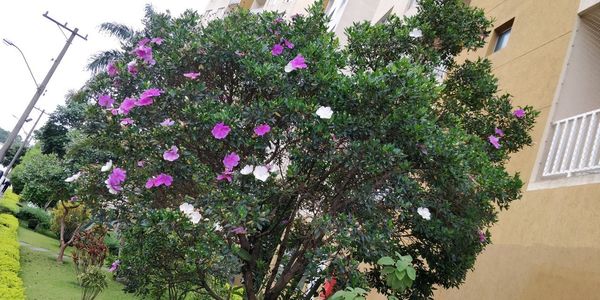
[[258, 146]]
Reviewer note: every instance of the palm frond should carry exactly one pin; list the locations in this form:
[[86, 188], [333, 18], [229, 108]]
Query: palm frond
[[120, 31], [100, 60]]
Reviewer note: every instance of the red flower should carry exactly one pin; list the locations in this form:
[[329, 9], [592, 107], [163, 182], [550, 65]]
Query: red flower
[[328, 288]]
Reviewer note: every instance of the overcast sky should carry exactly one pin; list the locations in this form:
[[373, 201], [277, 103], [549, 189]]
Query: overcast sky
[[22, 23]]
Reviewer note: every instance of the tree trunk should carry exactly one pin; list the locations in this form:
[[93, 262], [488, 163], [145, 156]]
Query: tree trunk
[[63, 245]]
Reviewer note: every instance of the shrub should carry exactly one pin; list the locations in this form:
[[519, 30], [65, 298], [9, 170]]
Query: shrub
[[9, 202], [11, 286], [74, 218], [112, 242], [93, 282], [34, 216], [40, 178], [90, 250]]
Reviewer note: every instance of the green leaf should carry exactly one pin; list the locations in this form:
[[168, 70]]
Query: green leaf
[[412, 274], [388, 270], [400, 274], [401, 265], [386, 261], [243, 254]]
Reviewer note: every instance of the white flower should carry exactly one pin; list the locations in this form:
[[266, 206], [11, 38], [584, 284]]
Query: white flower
[[261, 173], [186, 208], [324, 112], [217, 227], [424, 213], [288, 68], [74, 177], [247, 169], [415, 33], [106, 166], [195, 217]]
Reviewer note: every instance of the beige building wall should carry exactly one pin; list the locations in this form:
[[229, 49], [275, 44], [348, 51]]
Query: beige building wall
[[547, 245]]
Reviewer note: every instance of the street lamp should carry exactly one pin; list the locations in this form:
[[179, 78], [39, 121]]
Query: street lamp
[[9, 43]]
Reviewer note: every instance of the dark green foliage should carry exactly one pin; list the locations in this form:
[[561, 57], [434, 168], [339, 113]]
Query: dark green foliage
[[40, 179], [34, 215], [53, 135], [399, 139]]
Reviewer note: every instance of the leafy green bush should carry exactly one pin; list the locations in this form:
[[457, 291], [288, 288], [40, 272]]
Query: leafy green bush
[[11, 286], [234, 151], [76, 216], [112, 242], [93, 281], [40, 178], [35, 215], [8, 203]]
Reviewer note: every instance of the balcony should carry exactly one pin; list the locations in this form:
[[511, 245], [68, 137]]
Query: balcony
[[574, 146]]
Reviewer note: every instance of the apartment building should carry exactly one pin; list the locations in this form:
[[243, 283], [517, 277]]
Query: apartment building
[[546, 54], [547, 245]]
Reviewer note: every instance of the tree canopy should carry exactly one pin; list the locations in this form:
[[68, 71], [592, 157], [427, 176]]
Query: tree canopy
[[257, 145]]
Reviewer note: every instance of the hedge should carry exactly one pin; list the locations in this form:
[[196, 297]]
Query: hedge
[[11, 286], [8, 203]]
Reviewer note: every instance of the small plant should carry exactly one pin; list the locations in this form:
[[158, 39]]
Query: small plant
[[398, 274], [90, 250], [350, 293], [93, 282]]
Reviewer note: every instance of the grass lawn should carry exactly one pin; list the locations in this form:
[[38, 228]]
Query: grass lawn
[[44, 279]]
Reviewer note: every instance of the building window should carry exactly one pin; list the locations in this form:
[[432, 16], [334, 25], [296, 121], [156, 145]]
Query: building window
[[502, 35]]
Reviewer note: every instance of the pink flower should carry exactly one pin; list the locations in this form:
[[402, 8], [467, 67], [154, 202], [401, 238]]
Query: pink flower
[[277, 50], [278, 20], [114, 266], [297, 63], [519, 113], [152, 92], [141, 163], [157, 40], [231, 160], [111, 69], [167, 122], [144, 52], [126, 121], [143, 42], [113, 183], [151, 183], [262, 129], [163, 179], [288, 44], [127, 105], [239, 230], [191, 75], [106, 101], [494, 141], [499, 132], [144, 101], [132, 67], [114, 111], [220, 131], [482, 237], [160, 179], [146, 97], [226, 175], [171, 154]]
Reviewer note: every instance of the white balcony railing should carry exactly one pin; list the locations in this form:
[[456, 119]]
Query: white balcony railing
[[574, 147]]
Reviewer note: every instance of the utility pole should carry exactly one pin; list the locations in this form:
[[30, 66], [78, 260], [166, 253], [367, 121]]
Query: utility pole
[[13, 134], [23, 145]]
